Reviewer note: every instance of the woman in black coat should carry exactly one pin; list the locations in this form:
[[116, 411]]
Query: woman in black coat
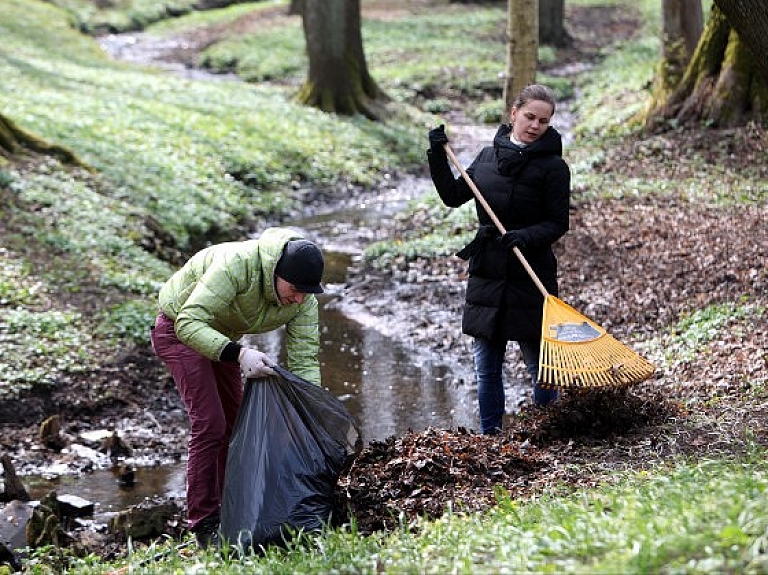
[[526, 182]]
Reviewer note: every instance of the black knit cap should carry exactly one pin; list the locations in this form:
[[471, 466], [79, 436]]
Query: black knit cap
[[301, 265]]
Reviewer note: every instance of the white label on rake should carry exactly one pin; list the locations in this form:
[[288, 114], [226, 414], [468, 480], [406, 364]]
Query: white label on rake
[[573, 332]]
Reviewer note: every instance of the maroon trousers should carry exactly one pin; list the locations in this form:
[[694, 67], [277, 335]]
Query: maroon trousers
[[212, 392]]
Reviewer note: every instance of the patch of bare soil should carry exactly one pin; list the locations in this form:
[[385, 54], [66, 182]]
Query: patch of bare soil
[[633, 265]]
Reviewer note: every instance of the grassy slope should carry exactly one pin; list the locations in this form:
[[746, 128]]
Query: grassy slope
[[166, 144], [160, 147], [199, 158]]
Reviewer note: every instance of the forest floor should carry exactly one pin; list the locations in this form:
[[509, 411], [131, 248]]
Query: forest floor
[[637, 264]]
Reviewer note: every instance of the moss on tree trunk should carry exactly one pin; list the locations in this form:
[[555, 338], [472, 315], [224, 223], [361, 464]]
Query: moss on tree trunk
[[9, 142], [721, 86], [358, 94]]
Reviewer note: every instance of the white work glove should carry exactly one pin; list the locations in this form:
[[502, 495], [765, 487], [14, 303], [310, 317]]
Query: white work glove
[[255, 363]]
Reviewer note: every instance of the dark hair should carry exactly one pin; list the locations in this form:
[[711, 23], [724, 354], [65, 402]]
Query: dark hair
[[535, 92]]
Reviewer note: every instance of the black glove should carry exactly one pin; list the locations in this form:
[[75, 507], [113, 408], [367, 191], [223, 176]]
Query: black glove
[[437, 139], [513, 239]]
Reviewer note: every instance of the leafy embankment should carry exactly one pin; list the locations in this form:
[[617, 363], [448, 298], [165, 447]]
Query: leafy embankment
[[682, 282]]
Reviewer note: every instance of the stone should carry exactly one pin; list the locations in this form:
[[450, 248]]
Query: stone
[[74, 506], [148, 519], [13, 525]]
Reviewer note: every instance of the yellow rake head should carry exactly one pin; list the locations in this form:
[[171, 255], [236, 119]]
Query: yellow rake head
[[578, 353]]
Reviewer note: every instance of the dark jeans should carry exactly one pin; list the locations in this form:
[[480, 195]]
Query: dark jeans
[[489, 363]]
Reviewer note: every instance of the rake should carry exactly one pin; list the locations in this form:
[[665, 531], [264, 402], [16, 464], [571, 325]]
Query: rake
[[575, 351]]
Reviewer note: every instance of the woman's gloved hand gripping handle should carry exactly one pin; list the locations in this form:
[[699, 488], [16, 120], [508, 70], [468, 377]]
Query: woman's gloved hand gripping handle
[[437, 140]]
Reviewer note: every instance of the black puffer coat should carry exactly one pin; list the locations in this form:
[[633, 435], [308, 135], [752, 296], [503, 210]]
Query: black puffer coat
[[529, 190]]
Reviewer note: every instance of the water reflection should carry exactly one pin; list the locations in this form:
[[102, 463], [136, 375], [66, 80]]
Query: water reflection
[[388, 389], [102, 488]]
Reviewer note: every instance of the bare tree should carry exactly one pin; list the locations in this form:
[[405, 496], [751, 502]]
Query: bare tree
[[552, 30], [721, 85], [522, 49], [682, 25], [338, 79], [8, 138], [296, 7]]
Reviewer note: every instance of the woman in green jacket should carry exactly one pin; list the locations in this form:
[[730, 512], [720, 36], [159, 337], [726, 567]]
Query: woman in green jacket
[[222, 293]]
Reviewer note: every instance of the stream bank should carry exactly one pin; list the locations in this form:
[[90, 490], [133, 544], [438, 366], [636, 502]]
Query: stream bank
[[636, 265]]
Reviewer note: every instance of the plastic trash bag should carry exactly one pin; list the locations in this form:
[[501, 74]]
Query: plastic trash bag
[[289, 446]]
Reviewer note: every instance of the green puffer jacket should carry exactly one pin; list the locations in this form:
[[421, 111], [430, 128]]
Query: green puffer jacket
[[227, 290]]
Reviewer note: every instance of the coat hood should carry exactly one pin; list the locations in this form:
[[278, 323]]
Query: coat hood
[[511, 157]]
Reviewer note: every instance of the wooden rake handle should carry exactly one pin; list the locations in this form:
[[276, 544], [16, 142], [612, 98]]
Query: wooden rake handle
[[495, 219]]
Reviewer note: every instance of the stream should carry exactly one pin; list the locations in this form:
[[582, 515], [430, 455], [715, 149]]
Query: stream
[[388, 388]]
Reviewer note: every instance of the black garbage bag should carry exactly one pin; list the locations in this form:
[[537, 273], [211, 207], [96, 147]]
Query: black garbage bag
[[289, 446]]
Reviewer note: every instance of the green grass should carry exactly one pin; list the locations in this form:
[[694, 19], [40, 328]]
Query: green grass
[[17, 288], [695, 517], [466, 63], [122, 15], [703, 326], [463, 59], [691, 517], [697, 334], [222, 16], [39, 347], [64, 214], [441, 231], [200, 155], [128, 321]]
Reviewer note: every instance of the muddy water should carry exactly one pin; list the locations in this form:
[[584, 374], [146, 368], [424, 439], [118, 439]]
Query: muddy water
[[102, 488], [388, 388]]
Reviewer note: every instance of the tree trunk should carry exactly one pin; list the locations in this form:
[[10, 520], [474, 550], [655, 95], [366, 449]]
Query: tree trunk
[[686, 21], [9, 140], [522, 49], [338, 79], [14, 488], [721, 86], [552, 30], [296, 8], [682, 23], [13, 140], [750, 19]]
